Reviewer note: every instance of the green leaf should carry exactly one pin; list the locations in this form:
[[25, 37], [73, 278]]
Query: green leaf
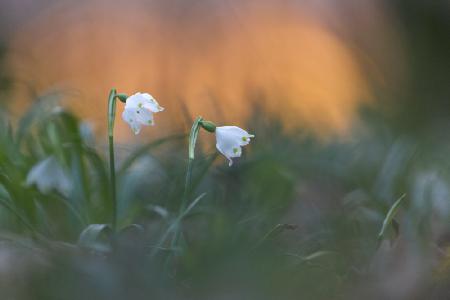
[[159, 210], [191, 206], [317, 254], [101, 209], [20, 217], [97, 237], [175, 225], [390, 216], [193, 137], [276, 230], [312, 256]]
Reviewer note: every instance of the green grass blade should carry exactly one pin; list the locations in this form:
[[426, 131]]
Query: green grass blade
[[390, 216], [94, 235], [22, 219], [174, 227]]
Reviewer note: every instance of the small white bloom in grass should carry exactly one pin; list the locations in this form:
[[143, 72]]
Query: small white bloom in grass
[[86, 130], [49, 175], [139, 110], [230, 139]]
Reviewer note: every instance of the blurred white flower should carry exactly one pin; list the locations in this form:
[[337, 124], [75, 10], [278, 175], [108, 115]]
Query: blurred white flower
[[49, 175], [87, 133], [139, 109], [230, 139]]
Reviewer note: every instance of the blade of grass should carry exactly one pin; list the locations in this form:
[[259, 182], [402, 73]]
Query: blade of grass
[[98, 165], [312, 256], [174, 225], [390, 216], [91, 236], [276, 230], [19, 216]]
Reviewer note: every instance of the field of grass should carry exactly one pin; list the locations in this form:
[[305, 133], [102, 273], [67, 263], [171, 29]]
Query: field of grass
[[294, 218]]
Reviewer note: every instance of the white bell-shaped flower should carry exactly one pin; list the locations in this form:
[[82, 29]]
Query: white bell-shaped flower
[[49, 175], [139, 110], [230, 139]]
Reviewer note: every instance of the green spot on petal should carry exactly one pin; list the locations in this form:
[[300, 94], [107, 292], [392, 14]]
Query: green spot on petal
[[235, 150], [244, 138]]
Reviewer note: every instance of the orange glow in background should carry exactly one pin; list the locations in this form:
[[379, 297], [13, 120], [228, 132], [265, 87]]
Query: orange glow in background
[[216, 60]]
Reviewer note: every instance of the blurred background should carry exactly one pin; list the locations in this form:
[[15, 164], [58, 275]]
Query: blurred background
[[305, 62], [349, 101]]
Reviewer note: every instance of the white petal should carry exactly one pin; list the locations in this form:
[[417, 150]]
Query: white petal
[[229, 151], [228, 148], [151, 104], [134, 100], [38, 172], [139, 109], [64, 184], [233, 132], [229, 140], [128, 116], [143, 100], [49, 175], [143, 116]]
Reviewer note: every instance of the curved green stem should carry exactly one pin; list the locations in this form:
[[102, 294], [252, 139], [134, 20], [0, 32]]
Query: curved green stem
[[112, 169], [192, 141], [174, 228], [187, 183]]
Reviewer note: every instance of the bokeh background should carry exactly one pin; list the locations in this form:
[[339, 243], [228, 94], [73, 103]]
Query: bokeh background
[[305, 62], [350, 104]]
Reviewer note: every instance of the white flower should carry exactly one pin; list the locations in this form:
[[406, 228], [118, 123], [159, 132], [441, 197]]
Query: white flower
[[139, 109], [230, 139], [86, 130], [49, 175]]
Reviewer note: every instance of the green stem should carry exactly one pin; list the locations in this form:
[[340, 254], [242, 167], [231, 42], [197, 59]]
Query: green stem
[[192, 141], [112, 169], [175, 226]]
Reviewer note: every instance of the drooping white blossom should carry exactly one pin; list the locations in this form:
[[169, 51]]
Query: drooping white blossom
[[139, 110], [230, 139], [49, 175]]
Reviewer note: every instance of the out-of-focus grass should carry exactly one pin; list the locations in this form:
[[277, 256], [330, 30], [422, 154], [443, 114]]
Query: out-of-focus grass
[[294, 218]]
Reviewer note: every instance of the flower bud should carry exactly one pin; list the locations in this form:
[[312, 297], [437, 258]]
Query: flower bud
[[208, 126], [122, 97]]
